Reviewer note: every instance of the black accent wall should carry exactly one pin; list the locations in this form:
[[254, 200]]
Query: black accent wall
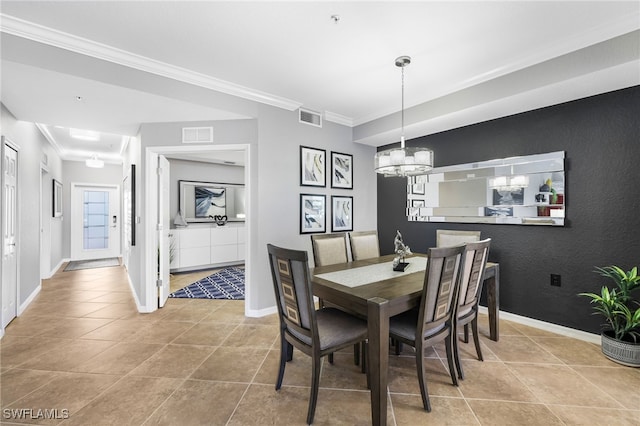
[[601, 138]]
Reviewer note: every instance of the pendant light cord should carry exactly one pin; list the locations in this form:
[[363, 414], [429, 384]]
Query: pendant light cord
[[402, 112]]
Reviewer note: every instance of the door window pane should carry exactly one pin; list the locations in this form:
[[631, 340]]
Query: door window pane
[[96, 220]]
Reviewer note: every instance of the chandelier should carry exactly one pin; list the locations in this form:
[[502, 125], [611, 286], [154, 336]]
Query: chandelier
[[404, 161]]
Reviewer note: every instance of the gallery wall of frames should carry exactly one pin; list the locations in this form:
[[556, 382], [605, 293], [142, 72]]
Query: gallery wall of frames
[[313, 206]]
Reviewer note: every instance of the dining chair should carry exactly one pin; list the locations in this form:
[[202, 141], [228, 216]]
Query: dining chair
[[434, 321], [329, 249], [364, 245], [315, 332], [475, 261], [449, 237]]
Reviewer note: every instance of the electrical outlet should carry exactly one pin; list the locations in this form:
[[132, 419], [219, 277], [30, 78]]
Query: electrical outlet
[[555, 280]]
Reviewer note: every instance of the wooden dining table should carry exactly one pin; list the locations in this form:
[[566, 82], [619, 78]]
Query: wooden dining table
[[373, 290]]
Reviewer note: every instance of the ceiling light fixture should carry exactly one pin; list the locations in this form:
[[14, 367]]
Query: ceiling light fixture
[[403, 161], [85, 135], [94, 162]]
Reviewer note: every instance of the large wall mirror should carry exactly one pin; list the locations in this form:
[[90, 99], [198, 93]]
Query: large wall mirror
[[202, 201], [527, 190]]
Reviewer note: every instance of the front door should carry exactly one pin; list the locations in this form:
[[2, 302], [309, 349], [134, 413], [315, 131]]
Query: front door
[[9, 235], [95, 222]]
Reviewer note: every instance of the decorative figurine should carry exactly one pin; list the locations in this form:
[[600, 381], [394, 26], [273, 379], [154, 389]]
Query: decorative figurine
[[401, 251]]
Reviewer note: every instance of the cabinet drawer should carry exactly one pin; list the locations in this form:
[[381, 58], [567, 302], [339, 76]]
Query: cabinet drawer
[[224, 236], [226, 253], [194, 256], [195, 237]]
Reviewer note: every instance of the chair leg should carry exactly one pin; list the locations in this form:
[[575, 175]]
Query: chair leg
[[421, 377], [286, 354], [356, 353], [466, 333], [450, 353], [456, 356], [476, 337], [315, 384], [398, 346], [363, 356], [330, 357]]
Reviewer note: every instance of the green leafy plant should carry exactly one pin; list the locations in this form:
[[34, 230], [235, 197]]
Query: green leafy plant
[[621, 311]]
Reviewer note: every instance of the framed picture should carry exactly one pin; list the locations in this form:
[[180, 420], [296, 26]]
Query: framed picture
[[341, 170], [341, 213], [312, 214], [57, 199], [312, 166]]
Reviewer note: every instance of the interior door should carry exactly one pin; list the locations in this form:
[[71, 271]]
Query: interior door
[[9, 235], [163, 230], [95, 222]]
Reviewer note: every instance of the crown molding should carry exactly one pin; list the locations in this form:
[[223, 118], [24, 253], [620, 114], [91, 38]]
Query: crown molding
[[41, 34], [48, 136], [338, 118]]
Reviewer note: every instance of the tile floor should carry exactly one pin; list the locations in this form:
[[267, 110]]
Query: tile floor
[[82, 351]]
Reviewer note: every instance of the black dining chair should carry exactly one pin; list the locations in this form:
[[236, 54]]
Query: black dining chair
[[434, 321], [315, 332], [475, 262]]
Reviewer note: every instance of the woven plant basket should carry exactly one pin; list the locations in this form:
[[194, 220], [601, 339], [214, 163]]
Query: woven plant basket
[[624, 353]]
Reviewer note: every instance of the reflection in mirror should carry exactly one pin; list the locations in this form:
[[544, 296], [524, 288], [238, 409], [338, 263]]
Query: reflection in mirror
[[518, 190], [203, 201]]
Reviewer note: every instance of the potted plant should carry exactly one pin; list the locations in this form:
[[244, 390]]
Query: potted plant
[[621, 335]]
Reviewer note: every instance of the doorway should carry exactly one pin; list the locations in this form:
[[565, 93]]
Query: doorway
[[152, 198], [95, 221], [10, 243]]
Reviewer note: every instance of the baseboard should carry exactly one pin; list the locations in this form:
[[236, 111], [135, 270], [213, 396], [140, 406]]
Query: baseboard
[[52, 272], [547, 326], [24, 305], [143, 309], [257, 313]]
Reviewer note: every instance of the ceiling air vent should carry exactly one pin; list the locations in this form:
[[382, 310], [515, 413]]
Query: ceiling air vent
[[310, 117], [197, 135]]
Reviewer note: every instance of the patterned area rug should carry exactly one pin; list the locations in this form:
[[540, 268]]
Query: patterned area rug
[[228, 283], [90, 264]]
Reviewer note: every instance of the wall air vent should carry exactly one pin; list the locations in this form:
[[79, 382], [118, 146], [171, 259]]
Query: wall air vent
[[197, 135], [310, 117]]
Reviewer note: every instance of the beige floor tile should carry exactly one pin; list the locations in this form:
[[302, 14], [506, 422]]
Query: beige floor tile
[[513, 413], [16, 350], [76, 327], [128, 402], [616, 381], [253, 336], [231, 364], [297, 372], [343, 407], [492, 380], [68, 356], [17, 383], [206, 333], [159, 332], [573, 351], [408, 411], [30, 325], [403, 377], [177, 361], [199, 403], [67, 391], [121, 358], [113, 310], [231, 311], [520, 349], [263, 405], [116, 330], [558, 384], [575, 416]]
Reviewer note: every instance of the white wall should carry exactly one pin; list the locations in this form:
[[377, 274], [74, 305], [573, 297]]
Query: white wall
[[33, 148], [199, 171], [78, 172]]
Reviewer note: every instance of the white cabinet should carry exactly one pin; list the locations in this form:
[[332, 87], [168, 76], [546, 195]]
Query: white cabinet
[[203, 246]]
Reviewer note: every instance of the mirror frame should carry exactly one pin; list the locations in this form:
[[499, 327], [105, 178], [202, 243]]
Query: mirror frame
[[535, 204], [182, 200]]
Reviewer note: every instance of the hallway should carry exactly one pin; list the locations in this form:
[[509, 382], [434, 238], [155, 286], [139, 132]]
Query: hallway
[[82, 351]]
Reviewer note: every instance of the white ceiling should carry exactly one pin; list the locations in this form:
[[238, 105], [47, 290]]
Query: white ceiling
[[142, 62]]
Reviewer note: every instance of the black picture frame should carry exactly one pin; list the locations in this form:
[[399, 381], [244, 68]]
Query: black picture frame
[[341, 213], [133, 205], [313, 166], [341, 170], [56, 199], [313, 209]]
